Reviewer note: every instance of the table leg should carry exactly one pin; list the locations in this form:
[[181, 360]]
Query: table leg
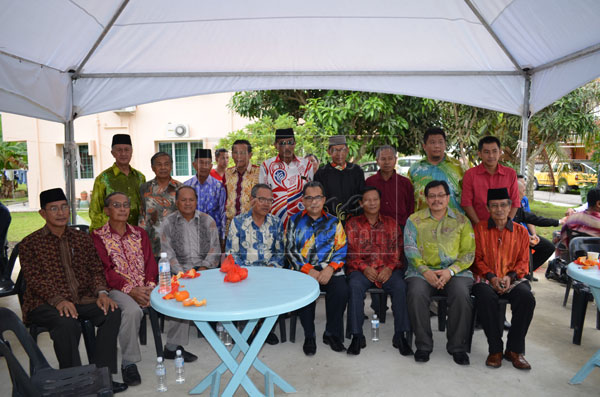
[[586, 369]]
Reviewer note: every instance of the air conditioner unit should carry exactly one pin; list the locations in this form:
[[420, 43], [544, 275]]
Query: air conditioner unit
[[177, 130]]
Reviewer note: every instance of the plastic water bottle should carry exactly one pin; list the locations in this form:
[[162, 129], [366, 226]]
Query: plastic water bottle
[[375, 328], [179, 369], [164, 274], [223, 335], [161, 375]]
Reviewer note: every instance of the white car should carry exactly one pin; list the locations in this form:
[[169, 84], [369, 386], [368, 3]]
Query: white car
[[404, 163]]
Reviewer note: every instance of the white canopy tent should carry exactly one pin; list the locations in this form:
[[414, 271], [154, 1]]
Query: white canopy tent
[[61, 59]]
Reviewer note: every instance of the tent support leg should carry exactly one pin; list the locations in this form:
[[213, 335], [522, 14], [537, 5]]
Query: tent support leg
[[70, 156], [525, 124]]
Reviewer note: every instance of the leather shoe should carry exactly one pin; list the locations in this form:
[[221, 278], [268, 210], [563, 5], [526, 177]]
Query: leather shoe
[[421, 356], [310, 346], [399, 342], [272, 339], [358, 342], [517, 359], [461, 358], [494, 360], [131, 376], [187, 356], [118, 387], [333, 342]]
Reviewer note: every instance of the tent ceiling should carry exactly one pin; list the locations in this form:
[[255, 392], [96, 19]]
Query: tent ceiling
[[138, 51]]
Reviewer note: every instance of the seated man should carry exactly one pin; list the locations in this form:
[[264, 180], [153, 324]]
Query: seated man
[[315, 244], [64, 281], [131, 273], [440, 248], [375, 260], [501, 264], [191, 240]]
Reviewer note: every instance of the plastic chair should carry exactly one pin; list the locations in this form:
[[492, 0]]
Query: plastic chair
[[7, 287], [44, 380], [153, 314]]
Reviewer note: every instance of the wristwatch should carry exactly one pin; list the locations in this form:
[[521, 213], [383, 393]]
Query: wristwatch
[[451, 272], [102, 292]]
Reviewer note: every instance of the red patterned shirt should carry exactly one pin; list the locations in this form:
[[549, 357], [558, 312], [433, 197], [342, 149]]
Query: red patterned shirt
[[397, 196]]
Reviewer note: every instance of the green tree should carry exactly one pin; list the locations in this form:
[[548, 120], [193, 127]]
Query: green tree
[[13, 155]]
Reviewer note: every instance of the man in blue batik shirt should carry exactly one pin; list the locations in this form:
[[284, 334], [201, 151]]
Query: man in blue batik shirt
[[316, 245]]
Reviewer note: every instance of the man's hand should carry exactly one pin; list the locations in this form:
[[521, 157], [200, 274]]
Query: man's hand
[[314, 274], [495, 283], [67, 309], [141, 295], [443, 276], [105, 303], [370, 273], [325, 275], [432, 278], [384, 275], [506, 280], [533, 240]]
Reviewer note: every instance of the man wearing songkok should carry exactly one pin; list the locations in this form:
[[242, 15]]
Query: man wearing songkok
[[286, 174], [586, 222], [375, 260], [343, 181], [191, 240], [158, 198], [239, 180], [440, 247], [131, 271], [209, 191], [436, 166], [222, 158], [488, 175], [121, 177], [501, 264], [315, 244], [65, 282]]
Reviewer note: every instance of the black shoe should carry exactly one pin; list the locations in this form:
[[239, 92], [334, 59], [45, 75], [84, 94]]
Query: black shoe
[[358, 342], [131, 376], [333, 342], [310, 346], [272, 339], [187, 356], [399, 342], [118, 387], [421, 356], [461, 358], [534, 279]]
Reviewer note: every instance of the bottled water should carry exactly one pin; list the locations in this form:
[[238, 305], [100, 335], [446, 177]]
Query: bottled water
[[375, 328], [179, 369], [223, 335], [161, 375], [164, 274]]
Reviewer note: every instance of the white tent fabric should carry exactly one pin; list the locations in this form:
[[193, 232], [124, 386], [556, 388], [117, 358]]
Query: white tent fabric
[[64, 57]]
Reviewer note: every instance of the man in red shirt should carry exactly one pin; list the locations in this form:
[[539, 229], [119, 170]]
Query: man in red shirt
[[488, 175]]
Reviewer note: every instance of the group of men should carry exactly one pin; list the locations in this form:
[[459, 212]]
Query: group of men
[[440, 231]]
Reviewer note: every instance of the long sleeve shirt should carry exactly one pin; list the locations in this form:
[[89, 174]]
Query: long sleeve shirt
[[430, 244], [113, 180], [341, 187], [252, 245], [189, 244], [448, 170], [211, 200], [239, 187], [59, 268], [128, 260], [319, 243], [397, 196]]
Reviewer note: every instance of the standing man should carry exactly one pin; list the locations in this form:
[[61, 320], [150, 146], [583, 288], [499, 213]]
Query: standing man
[[158, 198], [440, 248], [239, 180], [222, 158], [343, 181], [209, 191], [374, 260], [65, 281], [121, 177], [488, 175], [315, 244], [286, 174], [436, 166], [501, 264]]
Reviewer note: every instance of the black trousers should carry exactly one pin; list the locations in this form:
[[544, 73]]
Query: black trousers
[[543, 251], [336, 299], [522, 304], [66, 332]]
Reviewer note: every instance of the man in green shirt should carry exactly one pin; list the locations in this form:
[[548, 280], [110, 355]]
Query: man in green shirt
[[121, 177], [439, 244]]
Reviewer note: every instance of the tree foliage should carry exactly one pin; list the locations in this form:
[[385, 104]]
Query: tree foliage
[[13, 155]]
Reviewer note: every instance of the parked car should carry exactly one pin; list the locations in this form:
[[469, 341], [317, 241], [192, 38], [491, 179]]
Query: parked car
[[369, 168], [404, 163], [567, 175]]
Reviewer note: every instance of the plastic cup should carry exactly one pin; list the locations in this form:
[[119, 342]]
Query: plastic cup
[[592, 256]]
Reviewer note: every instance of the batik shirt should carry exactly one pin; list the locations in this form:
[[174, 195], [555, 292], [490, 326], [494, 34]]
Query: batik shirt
[[189, 244], [252, 245], [587, 222], [211, 200], [286, 181], [113, 180], [239, 188], [448, 170], [156, 204], [430, 244], [316, 243]]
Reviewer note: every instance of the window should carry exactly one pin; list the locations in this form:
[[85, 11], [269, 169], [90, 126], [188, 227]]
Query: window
[[183, 156], [85, 163]]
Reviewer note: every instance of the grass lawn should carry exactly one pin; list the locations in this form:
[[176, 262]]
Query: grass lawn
[[547, 210], [24, 223]]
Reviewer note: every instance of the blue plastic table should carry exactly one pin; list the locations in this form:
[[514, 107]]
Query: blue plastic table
[[591, 277], [266, 293]]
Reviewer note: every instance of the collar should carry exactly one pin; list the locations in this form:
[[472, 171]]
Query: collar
[[426, 161], [379, 220], [492, 224], [47, 232], [128, 229], [449, 213], [323, 213], [172, 182], [338, 166], [278, 159], [181, 218], [500, 169], [116, 170]]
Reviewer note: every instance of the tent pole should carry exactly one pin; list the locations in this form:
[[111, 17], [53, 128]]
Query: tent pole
[[525, 124], [70, 156]]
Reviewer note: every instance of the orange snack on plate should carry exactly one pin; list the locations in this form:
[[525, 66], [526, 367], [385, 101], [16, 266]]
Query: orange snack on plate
[[181, 295]]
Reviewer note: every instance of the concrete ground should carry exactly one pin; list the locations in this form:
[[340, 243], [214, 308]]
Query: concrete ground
[[381, 371]]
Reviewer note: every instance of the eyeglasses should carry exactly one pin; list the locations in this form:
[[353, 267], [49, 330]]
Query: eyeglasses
[[342, 150], [495, 206], [310, 199], [264, 200], [119, 205], [438, 196], [289, 142], [239, 153], [55, 208]]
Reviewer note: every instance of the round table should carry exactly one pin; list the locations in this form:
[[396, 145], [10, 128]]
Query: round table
[[265, 294]]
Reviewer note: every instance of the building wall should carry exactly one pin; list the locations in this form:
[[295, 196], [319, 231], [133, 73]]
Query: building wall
[[208, 117]]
